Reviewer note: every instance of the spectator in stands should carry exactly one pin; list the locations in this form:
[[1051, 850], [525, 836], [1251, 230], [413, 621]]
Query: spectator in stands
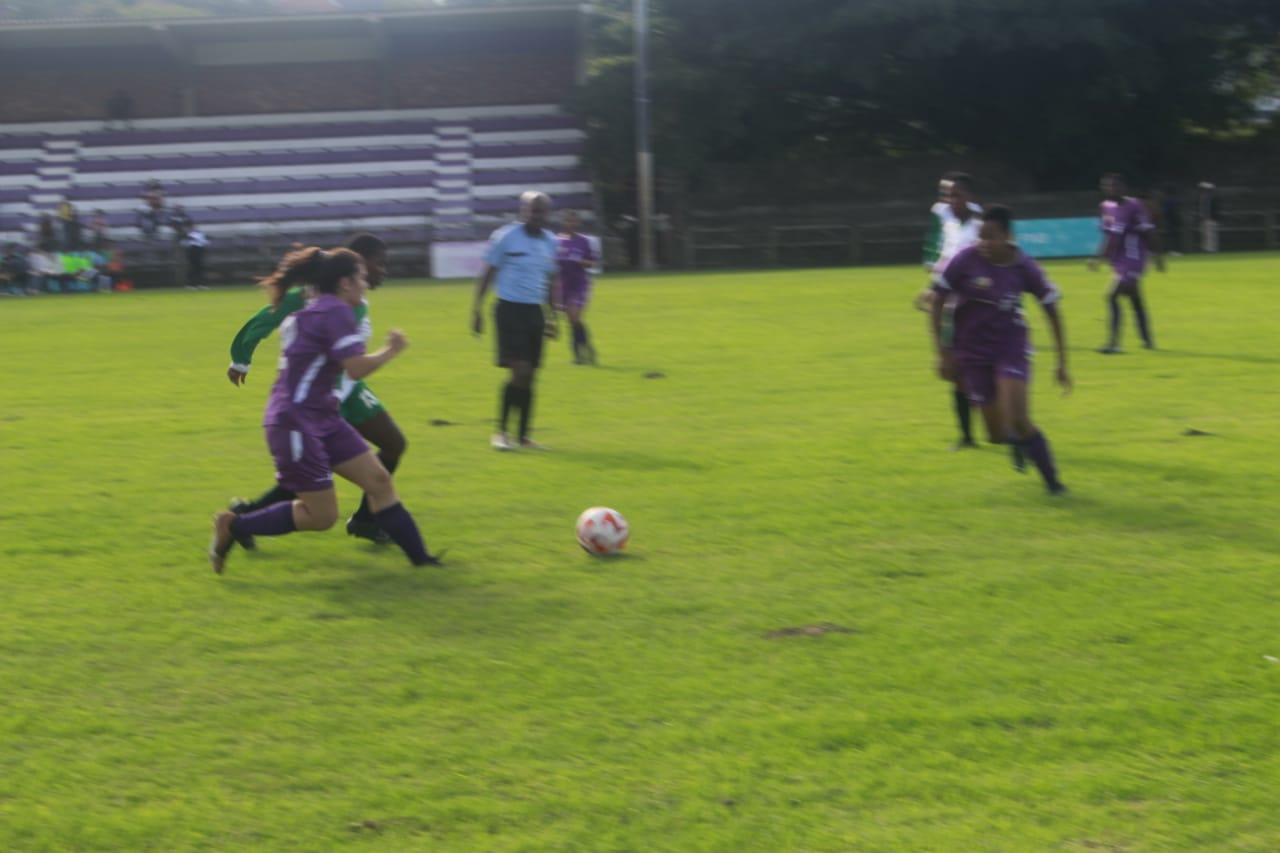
[[46, 271], [119, 110], [48, 239], [14, 270], [180, 221], [147, 221], [69, 219], [522, 259], [1171, 211], [153, 194], [194, 243], [1210, 211], [98, 228]]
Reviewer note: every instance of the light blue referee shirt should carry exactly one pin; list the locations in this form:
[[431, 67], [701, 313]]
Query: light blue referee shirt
[[523, 263]]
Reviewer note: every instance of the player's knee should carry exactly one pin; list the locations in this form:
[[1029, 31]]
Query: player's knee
[[321, 518]]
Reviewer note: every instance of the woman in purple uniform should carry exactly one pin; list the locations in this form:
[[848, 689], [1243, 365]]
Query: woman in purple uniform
[[307, 437], [576, 258], [990, 354]]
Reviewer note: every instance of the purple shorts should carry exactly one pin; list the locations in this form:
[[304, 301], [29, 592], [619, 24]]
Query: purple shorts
[[1128, 271], [305, 456], [576, 295], [978, 375]]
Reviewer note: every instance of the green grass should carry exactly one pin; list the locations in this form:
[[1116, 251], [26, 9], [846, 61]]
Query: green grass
[[1018, 673]]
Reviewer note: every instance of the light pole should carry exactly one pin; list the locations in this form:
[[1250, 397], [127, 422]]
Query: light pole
[[644, 153]]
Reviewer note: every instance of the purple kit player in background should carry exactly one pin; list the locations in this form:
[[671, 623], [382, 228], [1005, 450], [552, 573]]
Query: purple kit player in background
[[991, 354], [306, 435], [1128, 236], [576, 257]]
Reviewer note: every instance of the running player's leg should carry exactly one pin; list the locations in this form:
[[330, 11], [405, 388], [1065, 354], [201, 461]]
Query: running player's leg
[[1140, 314], [1015, 404], [1113, 316], [366, 413], [367, 472]]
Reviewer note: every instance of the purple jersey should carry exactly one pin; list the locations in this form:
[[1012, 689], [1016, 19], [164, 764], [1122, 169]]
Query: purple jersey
[[313, 343], [989, 324], [1126, 223], [571, 249]]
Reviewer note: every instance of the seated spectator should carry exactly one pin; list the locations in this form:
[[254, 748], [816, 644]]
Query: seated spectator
[[14, 272], [98, 227], [180, 221], [147, 220], [48, 234], [45, 272]]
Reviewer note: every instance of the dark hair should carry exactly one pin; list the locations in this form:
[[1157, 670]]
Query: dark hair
[[964, 179], [1116, 177], [314, 266], [367, 245], [1001, 215]]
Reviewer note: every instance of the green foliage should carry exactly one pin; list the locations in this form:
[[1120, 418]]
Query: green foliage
[[1002, 671], [1059, 89]]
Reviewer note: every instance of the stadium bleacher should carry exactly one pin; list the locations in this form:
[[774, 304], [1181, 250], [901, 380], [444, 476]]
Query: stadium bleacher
[[413, 175]]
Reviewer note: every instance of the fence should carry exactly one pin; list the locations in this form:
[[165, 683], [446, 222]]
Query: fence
[[833, 244]]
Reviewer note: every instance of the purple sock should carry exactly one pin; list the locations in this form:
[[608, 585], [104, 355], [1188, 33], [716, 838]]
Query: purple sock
[[403, 530], [1038, 450], [275, 520]]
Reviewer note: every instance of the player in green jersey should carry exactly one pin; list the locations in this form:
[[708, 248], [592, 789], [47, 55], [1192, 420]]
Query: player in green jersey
[[359, 407]]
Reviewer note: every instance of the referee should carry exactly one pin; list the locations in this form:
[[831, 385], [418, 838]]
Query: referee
[[522, 258]]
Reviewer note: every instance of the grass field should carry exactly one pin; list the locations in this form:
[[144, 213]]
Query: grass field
[[1000, 671]]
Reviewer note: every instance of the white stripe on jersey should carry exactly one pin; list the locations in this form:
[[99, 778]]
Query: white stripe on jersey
[[343, 343], [295, 445], [304, 387]]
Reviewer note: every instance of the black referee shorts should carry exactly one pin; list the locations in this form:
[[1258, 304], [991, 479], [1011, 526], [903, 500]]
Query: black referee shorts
[[520, 326]]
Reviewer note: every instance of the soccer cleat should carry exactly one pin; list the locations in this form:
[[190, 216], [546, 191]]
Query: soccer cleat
[[590, 356], [436, 560], [1148, 345], [1019, 454], [1056, 489], [530, 444], [222, 540], [1110, 349], [502, 441], [367, 529], [240, 506], [964, 444]]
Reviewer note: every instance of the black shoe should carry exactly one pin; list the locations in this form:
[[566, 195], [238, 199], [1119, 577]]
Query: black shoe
[[370, 530], [437, 560], [1110, 349], [245, 540], [1056, 489], [964, 444], [1148, 345], [1019, 454]]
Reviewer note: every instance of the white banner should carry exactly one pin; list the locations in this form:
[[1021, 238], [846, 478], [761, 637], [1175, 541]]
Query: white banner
[[461, 259]]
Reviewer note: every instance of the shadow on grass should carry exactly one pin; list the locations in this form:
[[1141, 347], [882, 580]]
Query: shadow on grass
[[632, 460], [1247, 359]]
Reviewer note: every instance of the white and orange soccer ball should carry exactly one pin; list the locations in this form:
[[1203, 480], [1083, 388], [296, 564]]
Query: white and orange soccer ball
[[602, 531]]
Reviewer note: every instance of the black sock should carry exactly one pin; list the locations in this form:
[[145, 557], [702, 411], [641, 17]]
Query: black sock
[[362, 512], [525, 402], [578, 339], [509, 392], [1114, 303], [273, 495], [963, 414], [1140, 312]]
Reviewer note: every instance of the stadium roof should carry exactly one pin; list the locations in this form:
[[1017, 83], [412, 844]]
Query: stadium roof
[[82, 33]]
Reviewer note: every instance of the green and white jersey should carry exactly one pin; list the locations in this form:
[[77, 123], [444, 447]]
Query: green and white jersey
[[947, 235], [266, 321]]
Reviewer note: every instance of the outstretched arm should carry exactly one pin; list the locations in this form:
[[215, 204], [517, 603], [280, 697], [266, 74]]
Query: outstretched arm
[[256, 330]]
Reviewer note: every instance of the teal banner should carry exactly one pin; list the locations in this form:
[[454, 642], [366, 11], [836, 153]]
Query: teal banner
[[1058, 238]]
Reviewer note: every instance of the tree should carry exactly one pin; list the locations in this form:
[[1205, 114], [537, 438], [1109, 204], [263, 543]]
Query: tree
[[1061, 90]]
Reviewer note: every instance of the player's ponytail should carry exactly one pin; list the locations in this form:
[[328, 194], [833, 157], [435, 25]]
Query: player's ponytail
[[311, 265]]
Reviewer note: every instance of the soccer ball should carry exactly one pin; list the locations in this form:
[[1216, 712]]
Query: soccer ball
[[602, 531]]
